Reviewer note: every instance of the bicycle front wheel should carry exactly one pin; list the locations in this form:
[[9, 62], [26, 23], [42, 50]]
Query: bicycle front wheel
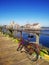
[[33, 56]]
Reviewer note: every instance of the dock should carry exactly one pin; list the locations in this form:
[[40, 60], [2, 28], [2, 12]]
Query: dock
[[9, 55]]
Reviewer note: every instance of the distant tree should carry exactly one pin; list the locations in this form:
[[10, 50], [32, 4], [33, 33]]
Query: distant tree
[[1, 28], [11, 32]]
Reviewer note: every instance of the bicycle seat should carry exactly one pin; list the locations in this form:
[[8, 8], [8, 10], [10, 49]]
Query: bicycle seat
[[30, 36]]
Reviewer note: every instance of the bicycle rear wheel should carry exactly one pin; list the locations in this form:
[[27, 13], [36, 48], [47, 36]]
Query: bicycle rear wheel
[[20, 48]]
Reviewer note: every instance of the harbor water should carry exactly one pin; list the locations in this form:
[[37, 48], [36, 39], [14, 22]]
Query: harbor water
[[43, 39]]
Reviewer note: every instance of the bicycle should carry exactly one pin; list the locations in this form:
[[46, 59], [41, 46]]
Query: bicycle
[[32, 49]]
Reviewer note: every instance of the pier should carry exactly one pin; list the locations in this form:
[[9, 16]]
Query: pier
[[9, 55]]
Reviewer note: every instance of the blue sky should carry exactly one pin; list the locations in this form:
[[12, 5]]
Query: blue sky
[[24, 11]]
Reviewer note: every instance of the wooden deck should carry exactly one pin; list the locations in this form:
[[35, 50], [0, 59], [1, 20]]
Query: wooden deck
[[9, 55]]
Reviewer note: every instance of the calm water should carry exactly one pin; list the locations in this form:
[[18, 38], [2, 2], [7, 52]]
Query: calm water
[[44, 39]]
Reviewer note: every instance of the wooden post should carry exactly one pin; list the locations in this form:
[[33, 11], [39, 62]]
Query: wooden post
[[37, 38], [15, 33], [21, 34]]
